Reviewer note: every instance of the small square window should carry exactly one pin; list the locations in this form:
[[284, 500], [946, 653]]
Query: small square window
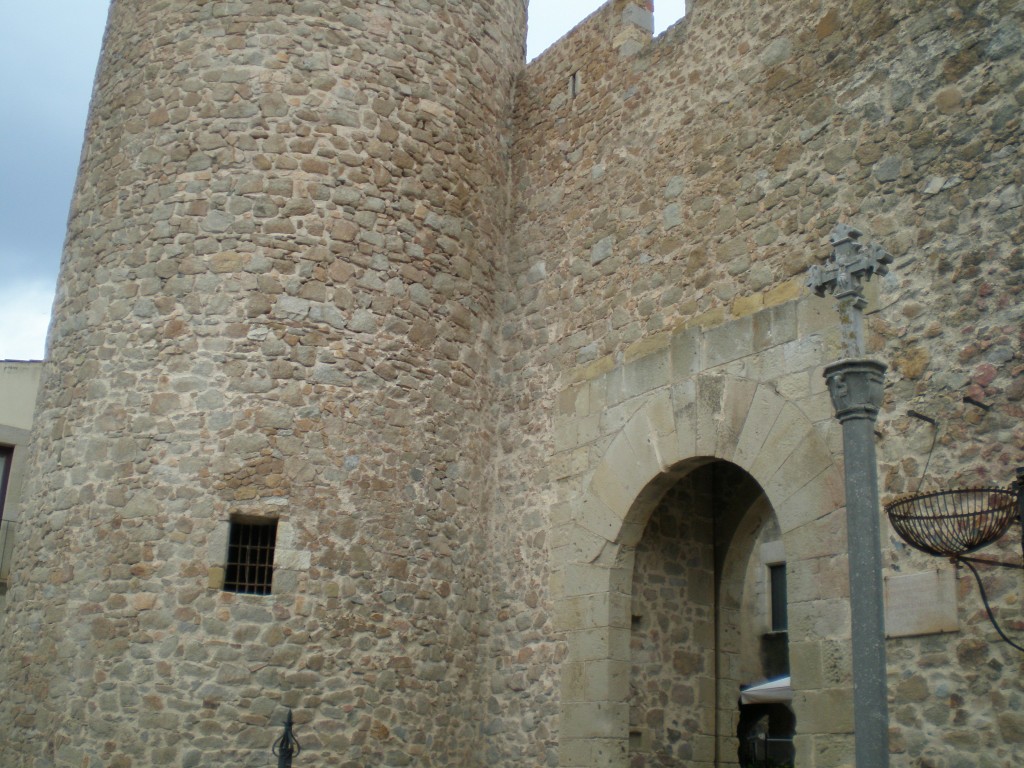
[[250, 564]]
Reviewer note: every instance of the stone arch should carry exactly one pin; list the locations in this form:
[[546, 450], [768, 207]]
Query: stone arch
[[674, 430]]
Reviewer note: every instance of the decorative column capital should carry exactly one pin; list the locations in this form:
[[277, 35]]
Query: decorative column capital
[[856, 386]]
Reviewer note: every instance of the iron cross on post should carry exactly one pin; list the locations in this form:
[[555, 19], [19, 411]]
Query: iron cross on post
[[849, 263]]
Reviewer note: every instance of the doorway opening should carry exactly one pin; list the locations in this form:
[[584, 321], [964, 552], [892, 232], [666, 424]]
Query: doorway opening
[[709, 619]]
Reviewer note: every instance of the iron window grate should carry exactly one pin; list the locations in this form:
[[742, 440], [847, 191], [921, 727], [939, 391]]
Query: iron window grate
[[250, 563]]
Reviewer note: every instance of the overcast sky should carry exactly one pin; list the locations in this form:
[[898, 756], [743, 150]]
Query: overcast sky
[[48, 53]]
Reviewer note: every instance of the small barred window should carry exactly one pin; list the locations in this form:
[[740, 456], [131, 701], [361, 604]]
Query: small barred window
[[250, 564]]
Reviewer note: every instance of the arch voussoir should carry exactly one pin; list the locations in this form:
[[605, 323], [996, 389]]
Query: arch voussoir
[[764, 410]]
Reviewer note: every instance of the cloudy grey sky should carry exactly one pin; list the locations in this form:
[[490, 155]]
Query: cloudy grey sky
[[48, 53]]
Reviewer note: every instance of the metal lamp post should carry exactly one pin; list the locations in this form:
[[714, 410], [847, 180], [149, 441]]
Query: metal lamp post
[[856, 386]]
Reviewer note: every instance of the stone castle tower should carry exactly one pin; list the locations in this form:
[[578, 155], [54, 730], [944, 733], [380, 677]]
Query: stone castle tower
[[277, 303], [514, 368]]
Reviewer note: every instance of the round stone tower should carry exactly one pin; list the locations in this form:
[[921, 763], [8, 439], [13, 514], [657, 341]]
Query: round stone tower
[[273, 330]]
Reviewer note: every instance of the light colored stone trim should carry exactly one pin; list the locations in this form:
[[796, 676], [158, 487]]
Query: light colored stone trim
[[666, 431], [17, 439], [287, 556]]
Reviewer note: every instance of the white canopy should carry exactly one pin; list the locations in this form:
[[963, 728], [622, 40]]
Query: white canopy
[[776, 691]]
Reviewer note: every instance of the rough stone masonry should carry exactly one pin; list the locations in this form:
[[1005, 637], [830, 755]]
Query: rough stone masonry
[[461, 326]]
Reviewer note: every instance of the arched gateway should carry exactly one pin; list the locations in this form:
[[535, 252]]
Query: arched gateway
[[679, 434]]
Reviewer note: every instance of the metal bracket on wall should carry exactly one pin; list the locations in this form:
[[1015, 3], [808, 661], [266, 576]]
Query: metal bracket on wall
[[957, 522]]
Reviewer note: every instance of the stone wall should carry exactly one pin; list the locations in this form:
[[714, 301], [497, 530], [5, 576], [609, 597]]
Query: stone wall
[[686, 188], [277, 300], [459, 327], [672, 623]]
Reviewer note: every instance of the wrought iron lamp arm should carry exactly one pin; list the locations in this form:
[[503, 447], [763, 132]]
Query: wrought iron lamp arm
[[984, 599], [955, 522]]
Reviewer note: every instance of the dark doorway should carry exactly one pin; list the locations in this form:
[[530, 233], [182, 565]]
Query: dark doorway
[[707, 617]]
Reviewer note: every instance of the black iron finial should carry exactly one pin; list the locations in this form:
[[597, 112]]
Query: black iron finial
[[287, 746]]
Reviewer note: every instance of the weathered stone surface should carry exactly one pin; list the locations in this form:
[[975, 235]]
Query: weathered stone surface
[[242, 236], [352, 266]]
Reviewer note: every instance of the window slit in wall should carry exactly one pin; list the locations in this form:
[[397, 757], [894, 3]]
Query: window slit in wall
[[574, 84], [6, 459], [7, 527], [777, 597]]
